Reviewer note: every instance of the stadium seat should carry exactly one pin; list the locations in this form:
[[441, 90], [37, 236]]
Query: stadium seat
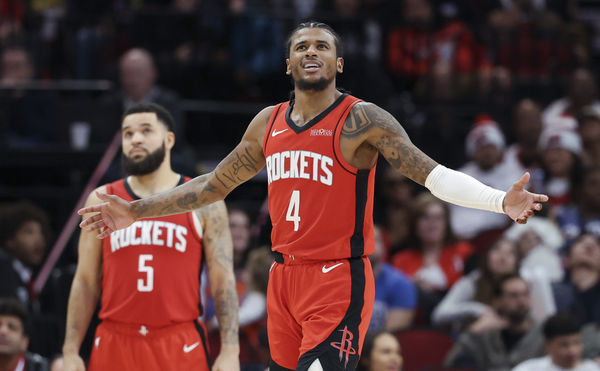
[[423, 348]]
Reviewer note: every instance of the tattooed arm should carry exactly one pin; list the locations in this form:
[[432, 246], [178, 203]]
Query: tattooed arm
[[245, 161], [218, 249], [377, 130], [370, 129]]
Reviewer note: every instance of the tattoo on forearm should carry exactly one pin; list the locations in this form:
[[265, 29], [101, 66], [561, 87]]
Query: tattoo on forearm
[[226, 306], [187, 199], [232, 175], [219, 256]]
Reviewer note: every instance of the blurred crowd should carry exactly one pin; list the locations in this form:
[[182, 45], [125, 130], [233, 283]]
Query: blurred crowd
[[492, 88]]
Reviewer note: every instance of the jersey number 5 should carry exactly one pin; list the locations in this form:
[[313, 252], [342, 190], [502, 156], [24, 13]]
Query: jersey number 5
[[293, 211], [145, 285]]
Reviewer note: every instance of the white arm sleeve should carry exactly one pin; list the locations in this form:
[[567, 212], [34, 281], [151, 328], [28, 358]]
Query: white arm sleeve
[[463, 190]]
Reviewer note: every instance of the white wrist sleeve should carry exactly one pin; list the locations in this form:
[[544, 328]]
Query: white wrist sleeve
[[464, 190]]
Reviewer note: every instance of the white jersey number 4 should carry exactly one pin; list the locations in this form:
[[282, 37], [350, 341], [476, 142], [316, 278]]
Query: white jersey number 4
[[145, 285], [293, 211]]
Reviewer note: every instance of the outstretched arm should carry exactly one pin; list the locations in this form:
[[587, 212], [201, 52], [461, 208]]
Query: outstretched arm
[[382, 131], [244, 162]]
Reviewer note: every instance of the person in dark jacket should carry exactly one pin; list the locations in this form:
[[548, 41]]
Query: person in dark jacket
[[14, 339]]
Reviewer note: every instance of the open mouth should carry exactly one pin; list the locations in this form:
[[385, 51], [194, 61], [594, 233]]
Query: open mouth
[[311, 66]]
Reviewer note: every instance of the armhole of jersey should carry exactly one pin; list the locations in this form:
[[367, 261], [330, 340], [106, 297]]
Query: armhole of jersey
[[336, 140], [197, 224], [270, 125]]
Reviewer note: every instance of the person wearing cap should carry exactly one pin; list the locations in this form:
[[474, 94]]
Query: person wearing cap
[[561, 148], [485, 146]]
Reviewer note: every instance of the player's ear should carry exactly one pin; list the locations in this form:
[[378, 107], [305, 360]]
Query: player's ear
[[288, 70], [170, 140], [340, 65]]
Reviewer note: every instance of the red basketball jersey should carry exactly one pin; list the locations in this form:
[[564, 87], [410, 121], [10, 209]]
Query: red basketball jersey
[[321, 207], [151, 270]]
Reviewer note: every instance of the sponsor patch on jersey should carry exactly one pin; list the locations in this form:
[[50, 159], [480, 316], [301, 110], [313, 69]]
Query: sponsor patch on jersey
[[321, 133]]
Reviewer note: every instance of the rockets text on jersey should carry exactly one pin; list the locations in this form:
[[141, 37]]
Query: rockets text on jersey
[[299, 165], [150, 232]]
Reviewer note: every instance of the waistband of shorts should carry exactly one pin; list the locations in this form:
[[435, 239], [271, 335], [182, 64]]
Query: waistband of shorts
[[288, 259], [146, 331]]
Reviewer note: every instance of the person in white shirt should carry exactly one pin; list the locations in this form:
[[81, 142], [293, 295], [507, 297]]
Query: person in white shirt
[[564, 346]]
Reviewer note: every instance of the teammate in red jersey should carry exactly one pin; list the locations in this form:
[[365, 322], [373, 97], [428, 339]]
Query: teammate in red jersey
[[320, 150], [149, 273]]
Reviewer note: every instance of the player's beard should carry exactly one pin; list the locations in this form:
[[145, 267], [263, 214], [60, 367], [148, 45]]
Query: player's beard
[[145, 166], [318, 85]]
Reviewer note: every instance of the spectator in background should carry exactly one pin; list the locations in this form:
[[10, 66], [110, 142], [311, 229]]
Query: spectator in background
[[526, 38], [137, 78], [24, 233], [583, 214], [416, 49], [515, 338], [394, 208], [527, 128], [434, 259], [589, 131], [381, 352], [470, 299], [12, 14], [581, 92], [239, 224], [253, 305], [485, 146], [561, 161], [28, 115], [395, 294], [580, 293], [362, 35], [257, 42], [14, 339], [538, 243], [564, 346]]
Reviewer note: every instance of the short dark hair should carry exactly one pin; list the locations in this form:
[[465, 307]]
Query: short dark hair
[[14, 215], [560, 324], [498, 289], [313, 24], [368, 345], [161, 113], [13, 307]]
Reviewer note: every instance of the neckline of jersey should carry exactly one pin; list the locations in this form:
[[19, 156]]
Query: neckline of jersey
[[131, 193], [315, 120]]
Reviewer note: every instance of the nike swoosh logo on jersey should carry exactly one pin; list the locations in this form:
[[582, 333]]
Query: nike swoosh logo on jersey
[[275, 132], [327, 270], [189, 348]]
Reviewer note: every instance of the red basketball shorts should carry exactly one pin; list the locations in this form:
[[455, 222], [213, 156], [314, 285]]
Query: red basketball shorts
[[319, 310], [119, 346]]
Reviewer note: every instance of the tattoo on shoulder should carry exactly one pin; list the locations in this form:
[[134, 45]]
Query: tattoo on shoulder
[[365, 116], [391, 140]]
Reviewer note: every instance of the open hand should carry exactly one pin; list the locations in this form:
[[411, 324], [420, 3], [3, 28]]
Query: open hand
[[520, 204], [113, 214]]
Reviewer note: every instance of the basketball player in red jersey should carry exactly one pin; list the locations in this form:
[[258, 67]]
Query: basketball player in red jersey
[[320, 151], [149, 273]]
